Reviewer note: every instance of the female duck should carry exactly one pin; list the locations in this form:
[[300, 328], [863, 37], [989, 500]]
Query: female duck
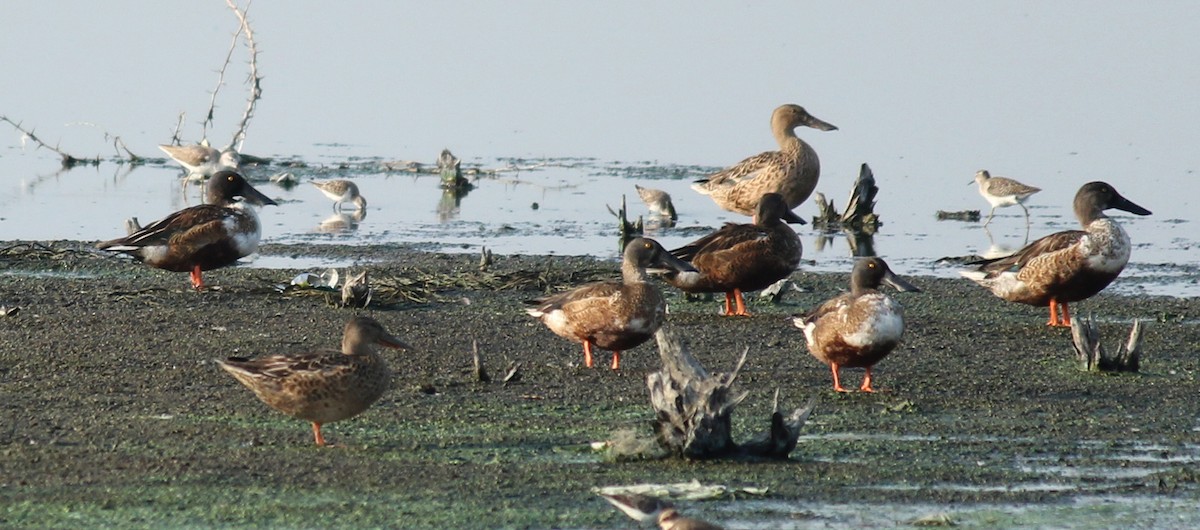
[[792, 171], [859, 328], [200, 238], [322, 386], [612, 315], [1066, 266], [743, 257]]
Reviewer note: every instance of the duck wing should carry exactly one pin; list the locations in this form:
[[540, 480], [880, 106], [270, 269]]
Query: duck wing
[[1046, 245], [199, 225], [730, 236], [582, 295], [742, 171]]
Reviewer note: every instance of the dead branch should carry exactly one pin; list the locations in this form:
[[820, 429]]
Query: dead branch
[[68, 160], [254, 79], [212, 103]]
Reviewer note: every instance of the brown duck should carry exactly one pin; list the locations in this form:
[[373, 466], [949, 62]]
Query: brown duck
[[859, 328], [792, 171], [1066, 266], [742, 257], [612, 315], [204, 237], [322, 386]]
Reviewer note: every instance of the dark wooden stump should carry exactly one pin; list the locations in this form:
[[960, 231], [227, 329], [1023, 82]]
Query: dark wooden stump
[[694, 408], [860, 208], [1085, 338]]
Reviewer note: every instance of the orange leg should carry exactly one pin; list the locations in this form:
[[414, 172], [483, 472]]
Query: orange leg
[[616, 360], [837, 383], [741, 303], [1054, 314], [728, 304], [197, 282], [587, 353], [317, 434], [866, 385]]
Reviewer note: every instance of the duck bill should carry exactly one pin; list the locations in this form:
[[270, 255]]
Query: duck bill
[[789, 216], [251, 195], [392, 342], [1121, 203], [819, 124], [899, 283], [668, 263]]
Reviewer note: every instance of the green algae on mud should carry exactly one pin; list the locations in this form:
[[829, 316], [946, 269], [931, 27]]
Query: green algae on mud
[[114, 415]]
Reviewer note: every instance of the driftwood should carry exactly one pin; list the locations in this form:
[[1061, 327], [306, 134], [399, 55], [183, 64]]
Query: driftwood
[[694, 409], [625, 229], [860, 208], [1085, 338], [972, 216], [449, 167]]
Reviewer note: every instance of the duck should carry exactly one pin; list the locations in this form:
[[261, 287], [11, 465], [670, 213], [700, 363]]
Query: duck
[[200, 238], [612, 315], [792, 171], [1066, 266], [1003, 192], [201, 159], [341, 191], [322, 386], [742, 257], [645, 508], [859, 328]]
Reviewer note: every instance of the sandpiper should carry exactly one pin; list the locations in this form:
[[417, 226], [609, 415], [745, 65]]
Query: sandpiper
[[340, 191], [1003, 192]]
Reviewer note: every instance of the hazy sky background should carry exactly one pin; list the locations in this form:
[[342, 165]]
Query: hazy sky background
[[931, 90]]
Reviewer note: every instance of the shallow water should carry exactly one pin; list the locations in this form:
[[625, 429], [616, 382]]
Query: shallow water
[[560, 206]]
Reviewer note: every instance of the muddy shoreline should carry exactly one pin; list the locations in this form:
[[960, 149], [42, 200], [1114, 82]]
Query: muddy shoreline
[[113, 413]]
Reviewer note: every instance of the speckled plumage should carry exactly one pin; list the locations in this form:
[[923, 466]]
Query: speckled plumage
[[743, 257], [203, 237], [658, 202], [859, 328], [792, 171], [1002, 192], [322, 386], [611, 315], [201, 159], [1065, 266], [340, 191]]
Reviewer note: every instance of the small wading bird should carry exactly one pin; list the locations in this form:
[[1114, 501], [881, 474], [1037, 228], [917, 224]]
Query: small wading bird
[[1066, 266], [859, 328], [201, 159], [792, 171], [340, 191], [612, 315], [200, 238], [644, 508], [323, 386], [658, 202], [1003, 192], [742, 257]]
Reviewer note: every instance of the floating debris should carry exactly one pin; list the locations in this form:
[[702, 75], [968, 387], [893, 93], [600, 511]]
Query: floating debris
[[450, 170], [971, 216]]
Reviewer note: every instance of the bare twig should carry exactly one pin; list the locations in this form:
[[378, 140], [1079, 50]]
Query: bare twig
[[68, 160], [175, 138], [118, 144], [255, 80], [212, 103]]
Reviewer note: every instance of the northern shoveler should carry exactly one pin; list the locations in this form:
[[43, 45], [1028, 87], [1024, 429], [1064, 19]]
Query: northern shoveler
[[1003, 192], [792, 171], [658, 201], [201, 159], [202, 237], [612, 315], [644, 508], [1066, 266], [340, 191], [859, 328], [742, 257], [322, 386]]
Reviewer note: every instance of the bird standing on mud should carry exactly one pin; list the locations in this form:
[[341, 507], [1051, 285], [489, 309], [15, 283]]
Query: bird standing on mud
[[742, 257], [1003, 192], [859, 328], [792, 171], [200, 238], [1066, 266], [612, 315], [644, 508], [322, 386]]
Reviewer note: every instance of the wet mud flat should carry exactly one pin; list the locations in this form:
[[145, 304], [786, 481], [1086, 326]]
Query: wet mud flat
[[112, 412]]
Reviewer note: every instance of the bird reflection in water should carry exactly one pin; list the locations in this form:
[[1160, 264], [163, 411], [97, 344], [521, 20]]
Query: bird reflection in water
[[341, 222], [450, 203]]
